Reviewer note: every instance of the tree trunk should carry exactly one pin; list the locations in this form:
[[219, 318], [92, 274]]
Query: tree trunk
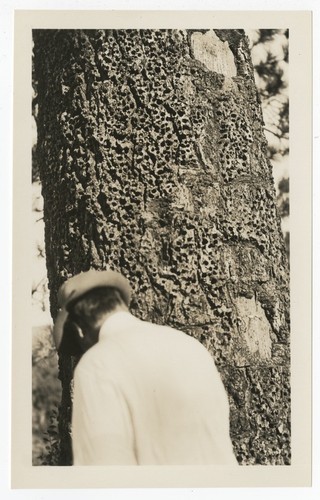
[[154, 163]]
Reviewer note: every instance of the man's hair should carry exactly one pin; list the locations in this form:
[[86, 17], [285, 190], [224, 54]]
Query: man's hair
[[91, 307]]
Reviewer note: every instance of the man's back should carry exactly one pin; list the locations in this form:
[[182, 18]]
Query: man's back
[[147, 394]]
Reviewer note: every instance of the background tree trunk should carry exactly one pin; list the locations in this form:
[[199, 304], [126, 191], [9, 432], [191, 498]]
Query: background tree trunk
[[154, 163]]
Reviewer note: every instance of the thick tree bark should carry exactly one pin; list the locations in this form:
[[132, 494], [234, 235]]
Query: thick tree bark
[[154, 163]]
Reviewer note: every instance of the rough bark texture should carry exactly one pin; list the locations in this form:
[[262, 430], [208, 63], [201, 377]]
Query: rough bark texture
[[154, 163]]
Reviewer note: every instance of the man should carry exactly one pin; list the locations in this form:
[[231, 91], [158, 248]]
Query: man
[[144, 394]]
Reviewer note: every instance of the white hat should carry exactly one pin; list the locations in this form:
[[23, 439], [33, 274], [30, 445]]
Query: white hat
[[81, 283]]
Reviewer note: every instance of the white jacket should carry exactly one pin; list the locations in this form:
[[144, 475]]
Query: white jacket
[[148, 395]]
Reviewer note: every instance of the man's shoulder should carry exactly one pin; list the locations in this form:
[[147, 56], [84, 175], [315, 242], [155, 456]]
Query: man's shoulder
[[98, 357]]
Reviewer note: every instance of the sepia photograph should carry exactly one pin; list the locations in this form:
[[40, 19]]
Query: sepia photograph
[[161, 277], [152, 160]]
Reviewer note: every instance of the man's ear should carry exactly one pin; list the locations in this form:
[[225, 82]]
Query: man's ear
[[79, 330], [71, 342]]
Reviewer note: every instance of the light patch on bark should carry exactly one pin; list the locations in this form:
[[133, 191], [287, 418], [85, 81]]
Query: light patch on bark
[[183, 199], [278, 319], [254, 327], [211, 196], [215, 54]]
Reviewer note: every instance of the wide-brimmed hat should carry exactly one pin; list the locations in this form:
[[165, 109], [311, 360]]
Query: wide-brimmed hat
[[78, 285]]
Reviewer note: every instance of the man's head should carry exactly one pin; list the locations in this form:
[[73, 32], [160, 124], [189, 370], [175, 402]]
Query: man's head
[[90, 311], [86, 300]]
